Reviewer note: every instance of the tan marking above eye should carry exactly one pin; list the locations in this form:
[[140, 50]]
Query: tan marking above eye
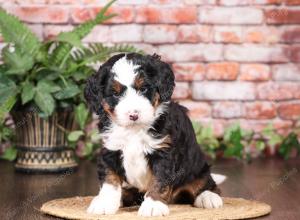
[[117, 87], [138, 82]]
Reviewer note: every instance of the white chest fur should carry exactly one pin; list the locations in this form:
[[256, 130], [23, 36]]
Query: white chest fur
[[135, 143]]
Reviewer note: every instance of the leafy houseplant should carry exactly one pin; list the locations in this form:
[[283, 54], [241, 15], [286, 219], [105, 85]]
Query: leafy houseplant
[[41, 85]]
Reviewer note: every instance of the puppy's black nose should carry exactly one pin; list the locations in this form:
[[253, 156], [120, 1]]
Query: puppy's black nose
[[133, 117]]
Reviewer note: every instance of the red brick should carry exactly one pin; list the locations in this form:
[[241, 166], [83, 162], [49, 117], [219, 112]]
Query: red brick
[[223, 91], [200, 2], [218, 125], [257, 53], [289, 110], [295, 53], [222, 71], [82, 14], [261, 34], [259, 125], [260, 110], [267, 2], [230, 15], [40, 14], [227, 110], [278, 91], [255, 72], [62, 2], [188, 71], [26, 1], [147, 48], [191, 52], [286, 72], [165, 2], [126, 33], [197, 109], [292, 2], [290, 34], [282, 16], [194, 33], [182, 90], [132, 2], [99, 33], [176, 15], [235, 2], [37, 29], [160, 33], [228, 34]]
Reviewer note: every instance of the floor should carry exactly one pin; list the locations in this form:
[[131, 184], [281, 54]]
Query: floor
[[274, 181]]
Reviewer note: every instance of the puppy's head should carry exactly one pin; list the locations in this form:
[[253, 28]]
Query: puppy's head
[[130, 88]]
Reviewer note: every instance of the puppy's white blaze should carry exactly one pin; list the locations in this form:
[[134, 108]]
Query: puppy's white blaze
[[208, 200], [107, 202], [218, 178], [135, 142], [151, 207], [125, 71], [133, 101]]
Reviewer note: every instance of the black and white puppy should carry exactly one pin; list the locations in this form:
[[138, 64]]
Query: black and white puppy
[[150, 155]]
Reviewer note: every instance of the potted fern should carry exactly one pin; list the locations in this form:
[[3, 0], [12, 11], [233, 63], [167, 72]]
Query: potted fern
[[41, 86]]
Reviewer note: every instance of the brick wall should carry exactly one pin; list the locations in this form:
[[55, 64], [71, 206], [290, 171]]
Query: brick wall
[[234, 60]]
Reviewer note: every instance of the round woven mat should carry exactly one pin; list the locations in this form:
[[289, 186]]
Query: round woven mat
[[75, 208]]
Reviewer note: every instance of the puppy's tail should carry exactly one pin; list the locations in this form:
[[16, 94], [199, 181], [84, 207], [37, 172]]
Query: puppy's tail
[[218, 178]]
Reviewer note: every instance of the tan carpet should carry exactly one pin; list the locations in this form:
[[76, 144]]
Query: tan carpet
[[234, 208]]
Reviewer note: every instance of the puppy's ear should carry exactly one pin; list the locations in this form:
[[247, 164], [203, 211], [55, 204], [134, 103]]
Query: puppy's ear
[[95, 85], [166, 81], [94, 88]]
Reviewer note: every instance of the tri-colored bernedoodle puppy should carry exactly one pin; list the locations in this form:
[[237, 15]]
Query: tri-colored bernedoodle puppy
[[150, 155]]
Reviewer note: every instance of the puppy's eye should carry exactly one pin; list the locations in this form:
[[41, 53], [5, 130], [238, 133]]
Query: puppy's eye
[[143, 90], [116, 95]]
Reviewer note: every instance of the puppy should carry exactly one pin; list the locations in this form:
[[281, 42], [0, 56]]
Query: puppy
[[150, 156]]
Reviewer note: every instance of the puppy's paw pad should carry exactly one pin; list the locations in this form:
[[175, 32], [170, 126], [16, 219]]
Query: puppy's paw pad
[[102, 206], [151, 207], [208, 200]]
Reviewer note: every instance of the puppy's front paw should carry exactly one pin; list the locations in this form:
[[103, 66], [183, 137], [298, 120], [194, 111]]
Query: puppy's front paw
[[208, 200], [107, 202], [102, 206], [151, 207]]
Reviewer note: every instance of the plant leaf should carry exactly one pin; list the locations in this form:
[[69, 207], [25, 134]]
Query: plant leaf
[[28, 92], [44, 101], [75, 135], [62, 51], [18, 63], [6, 107], [69, 37], [290, 142], [81, 115], [16, 32], [9, 154], [8, 88], [67, 92], [48, 86]]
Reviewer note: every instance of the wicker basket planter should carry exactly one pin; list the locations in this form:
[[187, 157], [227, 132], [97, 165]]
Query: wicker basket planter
[[42, 143]]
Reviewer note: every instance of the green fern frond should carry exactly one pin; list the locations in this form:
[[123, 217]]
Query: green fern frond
[[62, 51], [97, 52], [15, 32], [84, 29]]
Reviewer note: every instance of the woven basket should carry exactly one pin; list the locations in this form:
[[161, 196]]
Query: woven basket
[[234, 208], [41, 142]]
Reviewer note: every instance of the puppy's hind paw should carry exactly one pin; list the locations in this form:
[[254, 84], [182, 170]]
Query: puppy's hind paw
[[151, 207], [208, 200]]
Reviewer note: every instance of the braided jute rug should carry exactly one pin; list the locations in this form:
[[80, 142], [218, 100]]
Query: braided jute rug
[[234, 208]]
